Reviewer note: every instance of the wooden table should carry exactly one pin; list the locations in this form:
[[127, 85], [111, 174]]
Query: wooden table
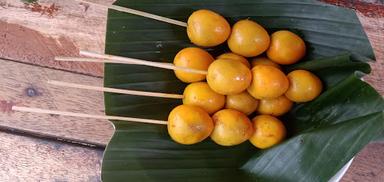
[[52, 148]]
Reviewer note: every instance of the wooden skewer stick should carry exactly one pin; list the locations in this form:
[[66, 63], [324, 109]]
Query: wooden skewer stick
[[115, 90], [140, 62], [138, 13], [123, 60], [95, 60], [82, 115]]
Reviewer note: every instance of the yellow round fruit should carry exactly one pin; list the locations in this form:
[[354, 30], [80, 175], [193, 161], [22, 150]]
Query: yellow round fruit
[[275, 107], [304, 86], [207, 28], [200, 94], [235, 57], [286, 47], [264, 61], [228, 77], [242, 102], [189, 124], [248, 38], [231, 127], [194, 58], [269, 131], [268, 82]]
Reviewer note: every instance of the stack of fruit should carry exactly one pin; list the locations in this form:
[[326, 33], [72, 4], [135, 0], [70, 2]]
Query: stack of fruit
[[235, 87]]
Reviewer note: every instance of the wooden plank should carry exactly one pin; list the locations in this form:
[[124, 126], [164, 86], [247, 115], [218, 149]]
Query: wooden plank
[[26, 158], [374, 27], [31, 159], [26, 85], [368, 165], [71, 26]]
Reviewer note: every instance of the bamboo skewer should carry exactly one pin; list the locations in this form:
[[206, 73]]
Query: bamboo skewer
[[105, 58], [138, 13], [82, 115], [115, 90]]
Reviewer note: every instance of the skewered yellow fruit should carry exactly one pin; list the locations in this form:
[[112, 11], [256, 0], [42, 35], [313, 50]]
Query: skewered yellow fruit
[[228, 77], [286, 48], [242, 102], [304, 86], [268, 82], [189, 124], [269, 131], [235, 57], [275, 107], [231, 127], [194, 58], [207, 28], [264, 61], [200, 94], [248, 38]]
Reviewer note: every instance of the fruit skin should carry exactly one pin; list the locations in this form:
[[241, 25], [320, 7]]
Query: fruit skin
[[268, 82], [269, 131], [304, 86], [264, 61], [189, 124], [275, 107], [248, 38], [207, 28], [231, 127], [286, 48], [228, 77], [235, 57], [195, 58], [200, 94], [242, 102]]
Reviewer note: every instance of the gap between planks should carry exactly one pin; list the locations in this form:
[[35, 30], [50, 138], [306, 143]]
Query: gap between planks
[[26, 85]]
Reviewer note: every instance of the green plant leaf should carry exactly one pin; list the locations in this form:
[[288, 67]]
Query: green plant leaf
[[325, 132]]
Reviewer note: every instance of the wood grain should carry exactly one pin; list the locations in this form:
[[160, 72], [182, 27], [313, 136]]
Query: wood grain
[[374, 27], [30, 159], [368, 165], [72, 27], [27, 85], [77, 26]]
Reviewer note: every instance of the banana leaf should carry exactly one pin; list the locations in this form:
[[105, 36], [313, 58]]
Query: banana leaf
[[323, 134]]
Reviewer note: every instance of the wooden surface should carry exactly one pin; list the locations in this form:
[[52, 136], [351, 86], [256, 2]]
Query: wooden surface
[[27, 85], [32, 34], [25, 158]]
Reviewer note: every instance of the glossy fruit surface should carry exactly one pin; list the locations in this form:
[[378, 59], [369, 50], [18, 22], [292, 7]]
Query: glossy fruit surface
[[207, 28], [231, 127], [268, 82], [242, 102], [200, 94], [248, 38], [275, 107], [189, 124], [304, 86], [264, 61], [286, 47], [235, 57], [194, 58], [228, 77], [269, 131]]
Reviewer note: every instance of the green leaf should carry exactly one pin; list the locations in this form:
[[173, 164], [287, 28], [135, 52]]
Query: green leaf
[[331, 70], [315, 155], [326, 132]]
